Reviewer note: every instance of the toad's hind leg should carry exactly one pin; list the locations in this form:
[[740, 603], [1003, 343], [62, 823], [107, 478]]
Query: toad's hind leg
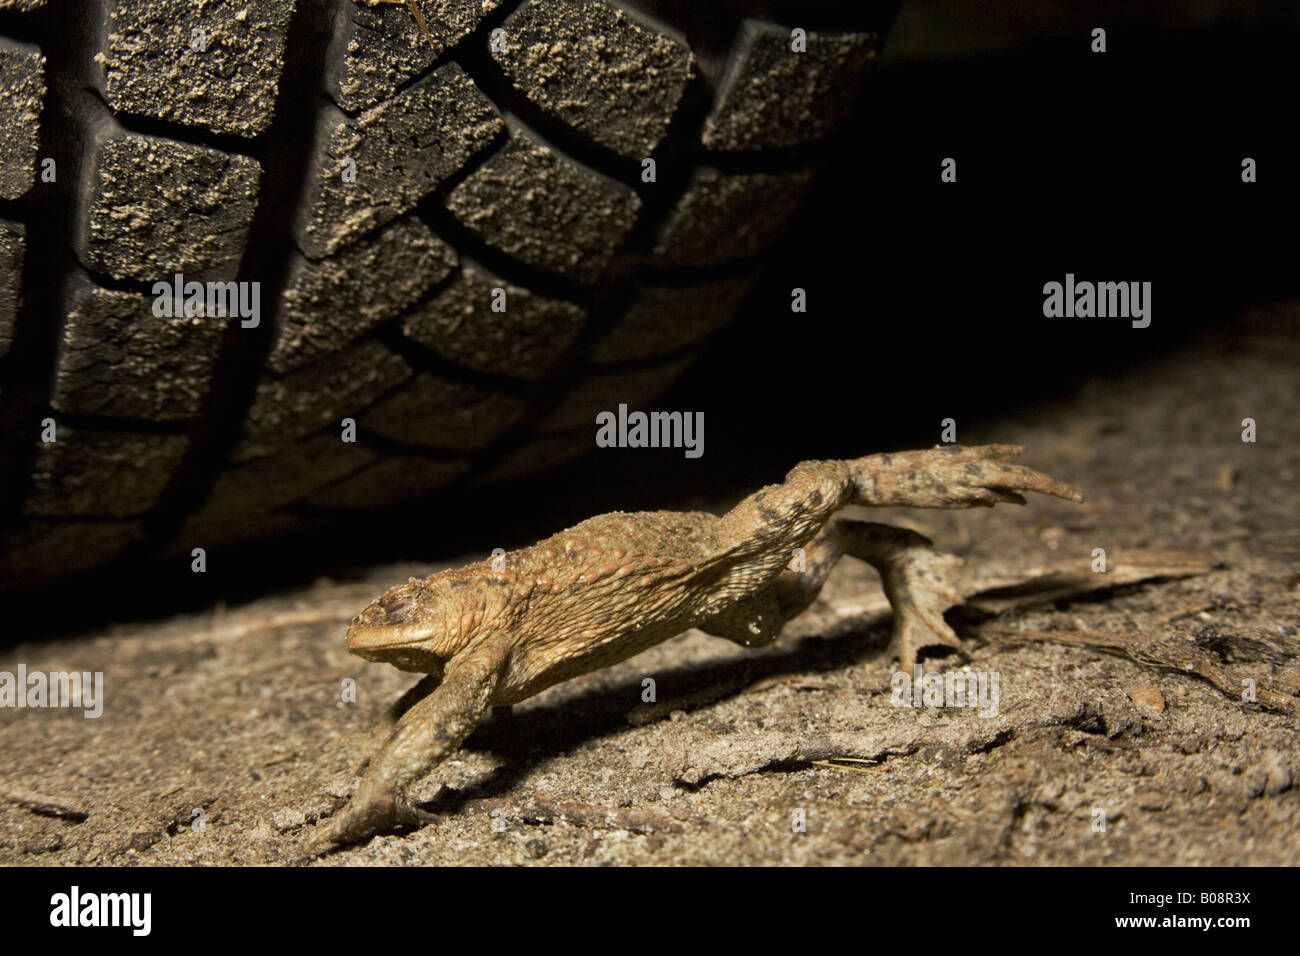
[[917, 580], [759, 533]]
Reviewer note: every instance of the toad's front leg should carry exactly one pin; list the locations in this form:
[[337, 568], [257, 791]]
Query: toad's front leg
[[425, 736]]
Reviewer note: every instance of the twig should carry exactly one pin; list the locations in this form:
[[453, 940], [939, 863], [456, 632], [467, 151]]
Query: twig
[[1184, 612], [1157, 653], [1074, 578], [537, 810], [838, 763], [39, 803]]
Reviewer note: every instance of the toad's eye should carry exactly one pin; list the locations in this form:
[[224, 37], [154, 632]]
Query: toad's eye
[[395, 607]]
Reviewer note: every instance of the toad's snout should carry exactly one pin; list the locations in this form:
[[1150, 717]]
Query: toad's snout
[[385, 622]]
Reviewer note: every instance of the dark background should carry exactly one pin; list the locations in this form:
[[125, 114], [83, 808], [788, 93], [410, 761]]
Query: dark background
[[925, 298]]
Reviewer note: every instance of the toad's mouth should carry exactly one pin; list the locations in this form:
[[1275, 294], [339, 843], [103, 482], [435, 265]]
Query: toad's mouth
[[413, 659], [371, 637], [404, 655]]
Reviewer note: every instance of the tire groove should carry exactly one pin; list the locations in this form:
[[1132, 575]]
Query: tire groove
[[617, 287], [152, 126], [452, 54], [285, 149], [566, 141], [433, 211], [424, 359], [27, 378]]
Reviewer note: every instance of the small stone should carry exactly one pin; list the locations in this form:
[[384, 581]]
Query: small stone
[[536, 849], [288, 819], [1147, 695], [1152, 800], [1289, 679], [45, 843], [1052, 536], [340, 786], [1278, 774], [1232, 791], [144, 839], [1049, 793]]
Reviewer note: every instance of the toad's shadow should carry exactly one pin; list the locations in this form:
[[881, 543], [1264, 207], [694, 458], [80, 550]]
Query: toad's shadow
[[522, 740]]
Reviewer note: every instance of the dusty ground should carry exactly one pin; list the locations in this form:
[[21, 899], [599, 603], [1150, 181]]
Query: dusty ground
[[239, 712]]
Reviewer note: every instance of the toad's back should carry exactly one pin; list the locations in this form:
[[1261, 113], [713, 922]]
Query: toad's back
[[608, 588]]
